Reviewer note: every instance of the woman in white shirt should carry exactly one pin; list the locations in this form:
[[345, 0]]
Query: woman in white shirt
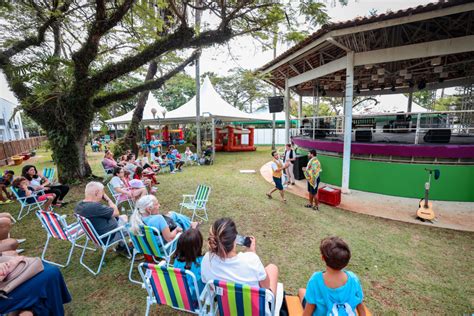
[[223, 262]]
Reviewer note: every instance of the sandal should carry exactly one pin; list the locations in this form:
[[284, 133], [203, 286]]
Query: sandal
[[268, 195], [308, 206], [316, 208]]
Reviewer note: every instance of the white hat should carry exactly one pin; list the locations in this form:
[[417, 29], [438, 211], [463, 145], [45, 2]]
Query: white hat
[[136, 184]]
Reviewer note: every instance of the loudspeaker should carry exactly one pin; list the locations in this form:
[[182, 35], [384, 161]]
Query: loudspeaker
[[298, 164], [363, 136], [275, 104], [437, 136]]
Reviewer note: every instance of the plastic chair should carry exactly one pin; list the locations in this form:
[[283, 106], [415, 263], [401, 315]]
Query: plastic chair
[[97, 239], [56, 227], [49, 173], [197, 202], [170, 286], [34, 205], [149, 242], [234, 299]]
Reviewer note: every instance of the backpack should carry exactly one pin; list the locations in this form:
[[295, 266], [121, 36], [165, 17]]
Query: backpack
[[336, 308]]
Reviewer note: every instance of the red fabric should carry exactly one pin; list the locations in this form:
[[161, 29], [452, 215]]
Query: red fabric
[[43, 197]]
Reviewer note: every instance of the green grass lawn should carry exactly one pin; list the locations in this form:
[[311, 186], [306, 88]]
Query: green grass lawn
[[404, 268]]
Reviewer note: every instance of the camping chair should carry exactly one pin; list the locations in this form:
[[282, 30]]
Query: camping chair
[[56, 227], [197, 202], [170, 286], [92, 235], [117, 195], [235, 299], [107, 171], [49, 173], [35, 205], [149, 242]]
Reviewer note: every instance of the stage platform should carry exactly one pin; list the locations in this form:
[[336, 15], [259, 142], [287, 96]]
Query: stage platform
[[452, 215]]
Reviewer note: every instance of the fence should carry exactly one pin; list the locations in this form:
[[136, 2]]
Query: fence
[[15, 147]]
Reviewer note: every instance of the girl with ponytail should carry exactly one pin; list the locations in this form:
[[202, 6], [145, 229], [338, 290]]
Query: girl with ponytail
[[222, 262], [147, 212]]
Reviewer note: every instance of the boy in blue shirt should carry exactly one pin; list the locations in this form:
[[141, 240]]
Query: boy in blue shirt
[[334, 291]]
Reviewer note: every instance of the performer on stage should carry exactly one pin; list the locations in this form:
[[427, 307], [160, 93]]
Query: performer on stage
[[311, 173], [277, 169]]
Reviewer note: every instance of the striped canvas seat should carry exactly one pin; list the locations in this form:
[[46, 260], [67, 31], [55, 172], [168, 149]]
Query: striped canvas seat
[[149, 242], [48, 173], [103, 242], [197, 202], [57, 228], [242, 300], [170, 286]]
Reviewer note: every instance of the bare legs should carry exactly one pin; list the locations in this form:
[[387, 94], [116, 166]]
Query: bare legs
[[272, 278]]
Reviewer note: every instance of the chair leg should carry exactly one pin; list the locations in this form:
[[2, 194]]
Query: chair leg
[[131, 269], [148, 303], [85, 265], [71, 250]]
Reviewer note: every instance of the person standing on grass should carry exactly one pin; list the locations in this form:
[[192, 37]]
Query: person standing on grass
[[311, 173], [277, 172], [289, 158]]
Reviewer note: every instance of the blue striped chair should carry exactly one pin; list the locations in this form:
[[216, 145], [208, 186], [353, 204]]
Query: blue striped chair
[[57, 228], [49, 173], [149, 242]]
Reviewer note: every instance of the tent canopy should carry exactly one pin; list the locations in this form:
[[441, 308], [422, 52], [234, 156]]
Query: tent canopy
[[210, 102], [151, 103]]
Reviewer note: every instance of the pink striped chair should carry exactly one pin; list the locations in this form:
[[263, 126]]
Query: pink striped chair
[[98, 241], [170, 286], [57, 228]]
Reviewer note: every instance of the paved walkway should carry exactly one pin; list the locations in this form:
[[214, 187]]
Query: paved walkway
[[453, 215]]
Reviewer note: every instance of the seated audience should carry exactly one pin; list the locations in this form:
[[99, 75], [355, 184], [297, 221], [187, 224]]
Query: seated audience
[[21, 185], [223, 262], [5, 181], [189, 156], [147, 212], [188, 256], [130, 164], [38, 182], [176, 162], [43, 294], [104, 218], [164, 161], [109, 162], [146, 176], [334, 290], [119, 181]]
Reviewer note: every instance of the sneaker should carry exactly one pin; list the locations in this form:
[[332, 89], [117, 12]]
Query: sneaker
[[20, 241], [173, 172], [20, 251]]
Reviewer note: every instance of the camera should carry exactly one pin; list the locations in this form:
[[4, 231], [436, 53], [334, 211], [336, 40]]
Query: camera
[[243, 241]]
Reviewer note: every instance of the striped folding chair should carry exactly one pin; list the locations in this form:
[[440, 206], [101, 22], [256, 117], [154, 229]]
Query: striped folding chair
[[197, 202], [57, 228], [32, 205], [118, 199], [98, 240], [170, 286], [107, 171], [149, 242], [235, 299], [49, 173]]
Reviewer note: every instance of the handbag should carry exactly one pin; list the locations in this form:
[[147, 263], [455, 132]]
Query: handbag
[[24, 270]]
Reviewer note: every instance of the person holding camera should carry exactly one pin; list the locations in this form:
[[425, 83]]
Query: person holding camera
[[223, 262], [104, 218], [277, 172]]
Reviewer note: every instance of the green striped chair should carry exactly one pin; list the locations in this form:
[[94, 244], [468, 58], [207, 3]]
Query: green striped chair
[[170, 286], [48, 173], [197, 202], [235, 299], [149, 242]]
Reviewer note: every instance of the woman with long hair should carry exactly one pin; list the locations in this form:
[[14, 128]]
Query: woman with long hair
[[39, 182], [223, 262]]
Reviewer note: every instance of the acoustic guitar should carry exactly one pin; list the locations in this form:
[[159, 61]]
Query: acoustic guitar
[[425, 210]]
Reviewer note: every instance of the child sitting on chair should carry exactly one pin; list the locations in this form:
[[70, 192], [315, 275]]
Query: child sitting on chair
[[334, 291], [21, 185], [188, 256]]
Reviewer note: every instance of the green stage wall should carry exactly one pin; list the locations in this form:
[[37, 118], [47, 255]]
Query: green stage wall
[[407, 180]]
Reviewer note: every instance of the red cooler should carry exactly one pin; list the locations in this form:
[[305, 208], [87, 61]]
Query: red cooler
[[330, 196]]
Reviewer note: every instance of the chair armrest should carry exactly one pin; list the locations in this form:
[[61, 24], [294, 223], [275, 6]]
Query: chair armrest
[[188, 197], [112, 231], [172, 244]]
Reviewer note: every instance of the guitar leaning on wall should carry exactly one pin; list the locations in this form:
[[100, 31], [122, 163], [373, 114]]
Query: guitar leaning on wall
[[425, 210]]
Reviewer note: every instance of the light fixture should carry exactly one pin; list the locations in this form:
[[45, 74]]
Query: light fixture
[[381, 80], [374, 77], [408, 76], [438, 69], [368, 67], [399, 81], [436, 61], [337, 78], [153, 112], [364, 86], [380, 71], [443, 75], [403, 72]]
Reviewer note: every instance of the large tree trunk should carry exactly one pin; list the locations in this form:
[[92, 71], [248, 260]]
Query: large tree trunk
[[131, 138]]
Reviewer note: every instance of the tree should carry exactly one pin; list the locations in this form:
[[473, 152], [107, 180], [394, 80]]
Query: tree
[[176, 91], [62, 57]]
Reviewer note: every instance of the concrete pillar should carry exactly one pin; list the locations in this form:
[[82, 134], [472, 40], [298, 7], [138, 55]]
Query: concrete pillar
[[287, 112], [410, 100], [300, 109], [346, 161]]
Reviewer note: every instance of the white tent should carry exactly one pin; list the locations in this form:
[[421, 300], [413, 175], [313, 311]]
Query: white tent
[[211, 104], [151, 103]]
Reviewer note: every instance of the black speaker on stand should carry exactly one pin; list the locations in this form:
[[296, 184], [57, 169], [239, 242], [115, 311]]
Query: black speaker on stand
[[275, 104], [298, 164]]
